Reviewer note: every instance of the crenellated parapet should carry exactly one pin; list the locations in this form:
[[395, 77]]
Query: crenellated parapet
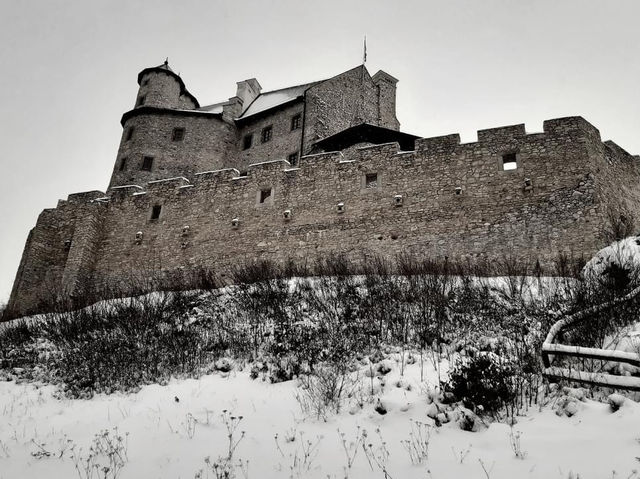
[[532, 194]]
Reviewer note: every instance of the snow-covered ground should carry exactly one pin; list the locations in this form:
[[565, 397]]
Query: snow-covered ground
[[169, 431]]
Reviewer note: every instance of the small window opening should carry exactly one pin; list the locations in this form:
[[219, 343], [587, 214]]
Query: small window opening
[[147, 163], [123, 164], [178, 134], [155, 212], [267, 131], [129, 134], [246, 142], [293, 159], [141, 100], [458, 190], [296, 122], [265, 195], [340, 208], [509, 162], [145, 82], [371, 180]]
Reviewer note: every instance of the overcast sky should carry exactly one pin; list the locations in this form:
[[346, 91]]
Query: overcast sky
[[68, 72]]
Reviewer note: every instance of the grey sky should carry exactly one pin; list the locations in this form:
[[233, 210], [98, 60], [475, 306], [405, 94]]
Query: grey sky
[[69, 72]]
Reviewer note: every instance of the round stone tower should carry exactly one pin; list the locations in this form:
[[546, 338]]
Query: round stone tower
[[161, 87]]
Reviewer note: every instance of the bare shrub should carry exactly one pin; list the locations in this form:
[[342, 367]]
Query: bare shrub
[[323, 391]]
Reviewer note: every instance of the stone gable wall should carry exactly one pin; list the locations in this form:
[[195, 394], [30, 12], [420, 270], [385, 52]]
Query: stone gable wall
[[338, 103]]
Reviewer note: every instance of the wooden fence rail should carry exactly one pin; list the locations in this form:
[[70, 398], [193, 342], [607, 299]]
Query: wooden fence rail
[[551, 350]]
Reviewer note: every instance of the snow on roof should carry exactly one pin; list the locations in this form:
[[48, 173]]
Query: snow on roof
[[215, 108], [164, 180], [271, 99]]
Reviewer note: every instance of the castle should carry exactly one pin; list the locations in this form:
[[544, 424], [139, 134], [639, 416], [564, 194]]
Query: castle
[[319, 168]]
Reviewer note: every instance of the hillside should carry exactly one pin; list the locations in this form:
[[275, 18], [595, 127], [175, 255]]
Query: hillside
[[432, 373]]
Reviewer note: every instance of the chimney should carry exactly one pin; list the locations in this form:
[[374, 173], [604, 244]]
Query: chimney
[[248, 90], [386, 100]]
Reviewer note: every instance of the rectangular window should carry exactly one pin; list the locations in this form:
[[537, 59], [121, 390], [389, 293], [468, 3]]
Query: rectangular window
[[265, 195], [178, 134], [371, 180], [141, 100], [293, 159], [266, 133], [147, 163], [246, 142], [129, 134], [155, 212], [123, 164], [296, 122], [509, 162]]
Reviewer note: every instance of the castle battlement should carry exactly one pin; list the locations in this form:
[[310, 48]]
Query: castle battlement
[[318, 169]]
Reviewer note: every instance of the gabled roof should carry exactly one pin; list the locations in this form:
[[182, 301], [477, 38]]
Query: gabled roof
[[365, 133], [275, 98]]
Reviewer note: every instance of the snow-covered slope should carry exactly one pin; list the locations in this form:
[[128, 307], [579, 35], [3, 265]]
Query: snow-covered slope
[[170, 430]]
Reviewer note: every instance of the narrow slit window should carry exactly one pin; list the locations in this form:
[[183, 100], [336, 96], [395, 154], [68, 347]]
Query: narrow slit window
[[265, 195], [123, 164], [509, 162], [371, 180], [178, 134], [155, 212], [147, 163], [129, 134], [141, 100], [247, 141]]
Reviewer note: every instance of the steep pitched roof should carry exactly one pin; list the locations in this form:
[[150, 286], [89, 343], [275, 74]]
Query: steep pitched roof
[[268, 100]]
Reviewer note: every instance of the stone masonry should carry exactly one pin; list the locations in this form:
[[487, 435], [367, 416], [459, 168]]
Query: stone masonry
[[207, 200]]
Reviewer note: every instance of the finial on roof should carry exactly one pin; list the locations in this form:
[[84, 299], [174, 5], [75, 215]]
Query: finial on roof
[[166, 62]]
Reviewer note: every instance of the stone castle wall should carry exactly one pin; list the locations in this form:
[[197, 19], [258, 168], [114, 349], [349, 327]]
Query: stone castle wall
[[443, 199]]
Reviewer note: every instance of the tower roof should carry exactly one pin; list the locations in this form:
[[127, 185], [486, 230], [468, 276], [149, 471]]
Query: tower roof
[[166, 69]]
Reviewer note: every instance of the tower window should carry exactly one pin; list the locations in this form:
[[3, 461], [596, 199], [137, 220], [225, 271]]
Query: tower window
[[129, 134], [178, 134], [371, 180], [293, 159], [155, 212], [509, 162], [123, 164], [267, 131], [265, 195], [296, 122], [247, 141], [141, 100], [147, 163]]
